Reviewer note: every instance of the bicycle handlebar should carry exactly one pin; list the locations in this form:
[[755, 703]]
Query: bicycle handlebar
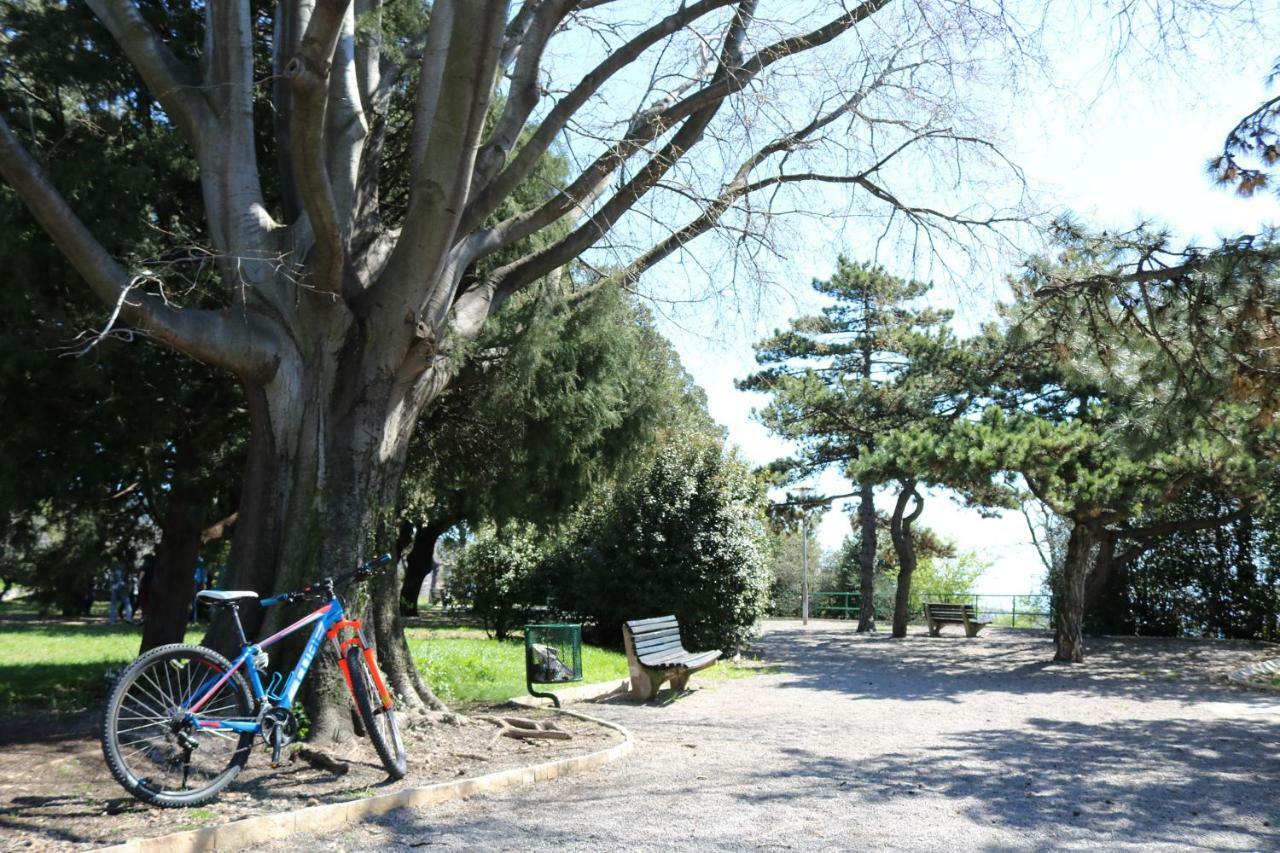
[[326, 585]]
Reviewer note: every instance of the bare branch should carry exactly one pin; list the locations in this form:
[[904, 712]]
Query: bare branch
[[489, 197], [523, 96], [727, 81]]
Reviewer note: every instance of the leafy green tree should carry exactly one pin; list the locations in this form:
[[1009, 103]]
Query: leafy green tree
[[550, 409], [138, 448], [1185, 577], [1089, 442], [498, 575], [876, 359]]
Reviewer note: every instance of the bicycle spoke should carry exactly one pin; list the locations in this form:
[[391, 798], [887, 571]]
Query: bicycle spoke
[[151, 725], [166, 699]]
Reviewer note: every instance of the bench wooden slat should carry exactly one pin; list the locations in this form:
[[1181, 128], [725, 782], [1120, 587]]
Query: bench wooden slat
[[656, 631], [654, 648], [664, 657], [641, 624], [938, 614], [656, 636], [681, 660]]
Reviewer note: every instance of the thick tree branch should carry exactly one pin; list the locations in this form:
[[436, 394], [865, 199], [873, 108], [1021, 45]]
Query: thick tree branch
[[308, 75], [219, 338], [346, 126], [435, 55], [369, 54], [523, 94], [172, 83], [442, 180], [732, 77]]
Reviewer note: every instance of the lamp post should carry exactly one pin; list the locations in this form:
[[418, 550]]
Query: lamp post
[[804, 493]]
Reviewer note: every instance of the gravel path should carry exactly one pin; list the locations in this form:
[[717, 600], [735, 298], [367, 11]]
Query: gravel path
[[922, 744]]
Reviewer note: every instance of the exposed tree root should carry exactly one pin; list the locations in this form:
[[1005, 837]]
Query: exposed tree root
[[321, 760], [523, 727]]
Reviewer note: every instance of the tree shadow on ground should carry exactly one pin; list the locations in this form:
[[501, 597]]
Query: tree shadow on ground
[[949, 668], [1160, 781]]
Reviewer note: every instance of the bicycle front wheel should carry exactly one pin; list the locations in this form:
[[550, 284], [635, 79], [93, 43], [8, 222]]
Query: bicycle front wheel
[[153, 747], [378, 715]]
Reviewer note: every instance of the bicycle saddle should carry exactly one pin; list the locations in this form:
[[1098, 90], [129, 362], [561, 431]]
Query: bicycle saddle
[[225, 596]]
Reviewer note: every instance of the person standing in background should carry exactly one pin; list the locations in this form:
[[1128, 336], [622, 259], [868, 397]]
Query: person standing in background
[[119, 596]]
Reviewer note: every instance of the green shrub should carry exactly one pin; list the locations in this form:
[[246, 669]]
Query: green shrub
[[684, 537]]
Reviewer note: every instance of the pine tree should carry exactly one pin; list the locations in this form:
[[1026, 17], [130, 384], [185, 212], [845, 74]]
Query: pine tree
[[878, 358]]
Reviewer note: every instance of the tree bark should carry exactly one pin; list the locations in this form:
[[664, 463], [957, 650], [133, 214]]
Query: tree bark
[[173, 574], [905, 546], [867, 560], [328, 438], [420, 561], [1069, 637]]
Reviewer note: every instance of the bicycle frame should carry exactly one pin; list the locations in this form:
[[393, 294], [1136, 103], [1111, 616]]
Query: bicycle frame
[[330, 620]]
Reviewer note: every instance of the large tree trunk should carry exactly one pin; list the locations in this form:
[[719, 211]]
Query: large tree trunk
[[905, 546], [867, 560], [328, 437], [1069, 637], [421, 560], [172, 580]]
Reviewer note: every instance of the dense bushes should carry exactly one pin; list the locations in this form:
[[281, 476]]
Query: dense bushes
[[684, 536], [498, 575]]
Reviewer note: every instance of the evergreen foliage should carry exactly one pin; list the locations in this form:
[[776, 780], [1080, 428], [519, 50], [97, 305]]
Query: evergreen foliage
[[685, 536], [877, 359]]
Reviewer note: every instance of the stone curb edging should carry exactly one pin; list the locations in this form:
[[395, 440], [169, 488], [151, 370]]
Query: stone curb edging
[[261, 828], [1247, 675]]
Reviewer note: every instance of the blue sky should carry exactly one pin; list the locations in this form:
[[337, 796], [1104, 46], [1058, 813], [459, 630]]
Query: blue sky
[[1114, 146]]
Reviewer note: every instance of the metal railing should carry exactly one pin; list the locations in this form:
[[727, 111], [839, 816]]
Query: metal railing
[[1013, 611]]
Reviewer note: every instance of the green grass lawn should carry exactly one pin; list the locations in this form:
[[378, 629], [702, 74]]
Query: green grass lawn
[[463, 665], [47, 666], [63, 667]]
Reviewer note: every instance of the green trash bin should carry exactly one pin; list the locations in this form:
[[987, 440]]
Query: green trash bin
[[552, 655]]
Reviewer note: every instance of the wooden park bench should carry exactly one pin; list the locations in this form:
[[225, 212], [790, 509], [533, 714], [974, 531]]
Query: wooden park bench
[[938, 615], [655, 655]]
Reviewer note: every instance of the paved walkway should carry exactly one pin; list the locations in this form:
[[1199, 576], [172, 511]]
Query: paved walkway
[[921, 744]]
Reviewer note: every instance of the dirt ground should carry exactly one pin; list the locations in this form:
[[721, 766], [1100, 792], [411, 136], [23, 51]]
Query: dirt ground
[[56, 792]]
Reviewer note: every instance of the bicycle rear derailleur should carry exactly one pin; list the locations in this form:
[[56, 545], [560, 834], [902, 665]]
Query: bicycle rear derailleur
[[279, 729]]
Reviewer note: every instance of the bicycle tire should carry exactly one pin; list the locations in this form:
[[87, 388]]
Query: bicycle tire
[[140, 735], [379, 719]]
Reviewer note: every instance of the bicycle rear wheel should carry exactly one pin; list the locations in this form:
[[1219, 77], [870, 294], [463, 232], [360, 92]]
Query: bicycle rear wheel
[[153, 748], [379, 717]]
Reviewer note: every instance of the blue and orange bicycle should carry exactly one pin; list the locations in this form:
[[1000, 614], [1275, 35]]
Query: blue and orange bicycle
[[182, 718]]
